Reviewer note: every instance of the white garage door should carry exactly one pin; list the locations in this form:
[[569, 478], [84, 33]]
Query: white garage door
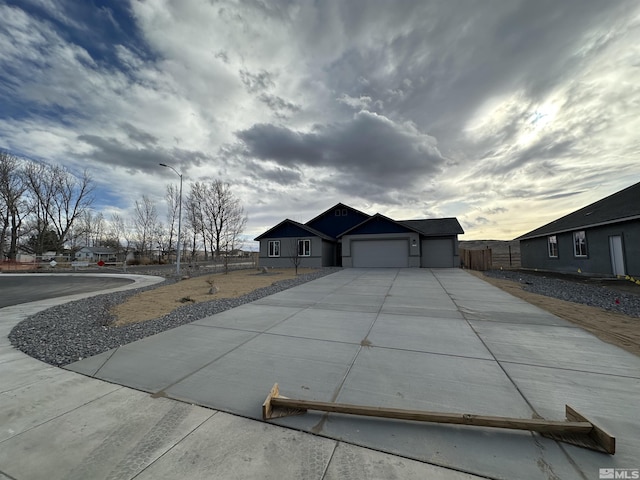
[[380, 253], [437, 253]]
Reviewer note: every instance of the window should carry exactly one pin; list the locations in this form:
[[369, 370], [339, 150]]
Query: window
[[344, 212], [338, 212], [304, 248], [580, 244], [552, 241], [274, 248]]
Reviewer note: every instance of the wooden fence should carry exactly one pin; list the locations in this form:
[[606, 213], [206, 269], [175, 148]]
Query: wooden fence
[[476, 259], [488, 258]]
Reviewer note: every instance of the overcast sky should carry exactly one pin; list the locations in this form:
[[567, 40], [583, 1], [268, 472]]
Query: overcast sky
[[504, 114]]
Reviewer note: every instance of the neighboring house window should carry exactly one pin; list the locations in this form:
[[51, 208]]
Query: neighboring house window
[[338, 213], [274, 248], [553, 246], [304, 248], [344, 212], [580, 243]]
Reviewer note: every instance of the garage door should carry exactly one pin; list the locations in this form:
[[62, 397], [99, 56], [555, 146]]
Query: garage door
[[380, 253], [437, 253]]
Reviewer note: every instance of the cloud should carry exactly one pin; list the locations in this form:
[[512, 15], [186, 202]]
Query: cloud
[[418, 107], [369, 147], [111, 151]]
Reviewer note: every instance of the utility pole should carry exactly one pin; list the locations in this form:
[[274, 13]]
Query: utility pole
[[179, 217]]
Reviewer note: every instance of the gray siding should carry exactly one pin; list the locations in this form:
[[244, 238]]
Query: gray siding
[[287, 246], [534, 253]]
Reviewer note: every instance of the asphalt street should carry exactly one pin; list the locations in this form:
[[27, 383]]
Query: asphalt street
[[19, 288]]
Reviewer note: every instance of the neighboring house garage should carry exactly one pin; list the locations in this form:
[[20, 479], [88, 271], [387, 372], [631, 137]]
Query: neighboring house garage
[[344, 236]]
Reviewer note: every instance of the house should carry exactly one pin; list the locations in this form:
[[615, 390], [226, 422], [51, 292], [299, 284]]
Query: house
[[95, 254], [344, 236], [601, 238]]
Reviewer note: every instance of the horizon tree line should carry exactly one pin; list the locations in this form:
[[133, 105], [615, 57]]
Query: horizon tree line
[[47, 208]]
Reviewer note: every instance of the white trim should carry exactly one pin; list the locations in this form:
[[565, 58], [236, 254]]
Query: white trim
[[276, 249]]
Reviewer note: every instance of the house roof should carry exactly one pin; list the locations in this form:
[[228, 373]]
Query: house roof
[[619, 207], [337, 219], [377, 219], [333, 209], [288, 221], [100, 250], [435, 226]]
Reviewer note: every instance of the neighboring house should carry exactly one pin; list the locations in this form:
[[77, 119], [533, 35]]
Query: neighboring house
[[601, 238], [95, 254], [344, 236]]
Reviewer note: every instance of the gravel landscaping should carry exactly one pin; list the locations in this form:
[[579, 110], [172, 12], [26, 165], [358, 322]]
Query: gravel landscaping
[[577, 291], [70, 332]]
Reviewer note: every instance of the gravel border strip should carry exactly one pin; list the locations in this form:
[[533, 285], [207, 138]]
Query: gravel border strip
[[593, 295], [72, 331]]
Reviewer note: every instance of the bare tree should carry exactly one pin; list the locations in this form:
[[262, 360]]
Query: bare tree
[[294, 253], [173, 200], [14, 206], [193, 207], [120, 235], [61, 198], [145, 224], [89, 231], [224, 216]]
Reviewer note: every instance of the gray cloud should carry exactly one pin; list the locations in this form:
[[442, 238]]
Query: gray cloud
[[278, 104], [110, 151], [369, 148], [446, 96], [256, 82]]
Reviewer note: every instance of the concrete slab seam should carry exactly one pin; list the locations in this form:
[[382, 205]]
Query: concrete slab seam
[[511, 362], [162, 390], [515, 385], [333, 452], [118, 387], [364, 342], [176, 443], [113, 352]]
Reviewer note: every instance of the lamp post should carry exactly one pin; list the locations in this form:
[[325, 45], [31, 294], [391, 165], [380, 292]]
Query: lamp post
[[179, 217]]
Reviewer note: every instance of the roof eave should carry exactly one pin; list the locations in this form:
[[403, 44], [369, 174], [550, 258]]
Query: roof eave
[[528, 236]]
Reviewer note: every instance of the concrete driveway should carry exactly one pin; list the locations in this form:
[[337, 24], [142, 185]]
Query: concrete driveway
[[438, 340], [57, 424]]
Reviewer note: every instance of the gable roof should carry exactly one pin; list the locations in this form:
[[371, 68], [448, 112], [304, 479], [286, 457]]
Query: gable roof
[[376, 223], [99, 250], [270, 233], [333, 222], [619, 207], [432, 227]]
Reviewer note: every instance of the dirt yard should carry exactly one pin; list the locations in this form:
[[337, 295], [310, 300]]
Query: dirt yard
[[162, 300], [610, 327]]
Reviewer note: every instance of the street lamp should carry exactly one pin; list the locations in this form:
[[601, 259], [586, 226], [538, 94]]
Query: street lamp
[[179, 217]]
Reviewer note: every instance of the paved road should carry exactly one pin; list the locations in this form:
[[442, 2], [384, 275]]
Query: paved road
[[23, 288]]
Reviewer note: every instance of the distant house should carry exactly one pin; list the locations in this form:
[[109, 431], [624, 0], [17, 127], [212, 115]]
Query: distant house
[[95, 254], [601, 238], [344, 236]]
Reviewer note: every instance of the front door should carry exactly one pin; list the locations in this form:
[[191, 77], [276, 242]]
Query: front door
[[617, 254]]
